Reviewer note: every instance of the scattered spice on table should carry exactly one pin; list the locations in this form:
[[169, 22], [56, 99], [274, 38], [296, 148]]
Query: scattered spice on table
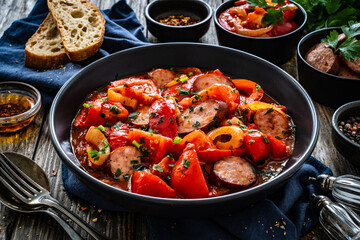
[[177, 20], [351, 128], [53, 173], [95, 220]]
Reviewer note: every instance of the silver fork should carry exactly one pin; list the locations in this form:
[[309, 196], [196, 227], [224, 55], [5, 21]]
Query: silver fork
[[31, 193]]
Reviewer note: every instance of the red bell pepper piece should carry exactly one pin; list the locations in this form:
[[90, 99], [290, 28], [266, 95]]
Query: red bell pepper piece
[[187, 178], [153, 146], [277, 148], [118, 136], [166, 164], [257, 144], [148, 184], [162, 117], [213, 155]]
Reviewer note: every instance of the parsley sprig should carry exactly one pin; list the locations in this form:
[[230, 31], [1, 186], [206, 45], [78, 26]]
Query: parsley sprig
[[274, 13], [350, 48]]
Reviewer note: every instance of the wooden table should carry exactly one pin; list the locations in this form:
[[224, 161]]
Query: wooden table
[[34, 142]]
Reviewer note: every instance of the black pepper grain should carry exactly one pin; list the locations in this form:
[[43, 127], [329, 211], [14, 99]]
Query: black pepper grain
[[350, 127]]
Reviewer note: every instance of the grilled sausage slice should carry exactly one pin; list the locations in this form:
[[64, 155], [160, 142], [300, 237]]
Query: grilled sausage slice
[[273, 123], [347, 72], [354, 65], [142, 118], [121, 159], [322, 57], [233, 172], [161, 77], [207, 80], [201, 115]]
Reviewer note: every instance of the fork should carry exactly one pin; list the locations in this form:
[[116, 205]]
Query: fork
[[31, 193]]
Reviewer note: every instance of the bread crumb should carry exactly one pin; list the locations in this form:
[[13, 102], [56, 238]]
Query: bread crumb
[[53, 173], [99, 210], [95, 220]]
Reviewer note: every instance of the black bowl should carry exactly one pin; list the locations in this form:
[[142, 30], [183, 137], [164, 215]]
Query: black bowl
[[325, 88], [233, 63], [192, 8], [344, 145], [277, 50]]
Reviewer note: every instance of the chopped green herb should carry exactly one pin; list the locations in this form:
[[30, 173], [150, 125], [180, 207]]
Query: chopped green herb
[[108, 124], [138, 167], [132, 116], [171, 165], [157, 168], [182, 171], [94, 154], [114, 109], [265, 139], [201, 108], [171, 119], [86, 105], [190, 74], [191, 108], [170, 156], [142, 140], [153, 114], [196, 124], [134, 162], [251, 141], [183, 92], [117, 173], [100, 127], [126, 177], [177, 140], [277, 137], [269, 111], [126, 85], [117, 126], [229, 122], [185, 163], [185, 117], [136, 144], [161, 120]]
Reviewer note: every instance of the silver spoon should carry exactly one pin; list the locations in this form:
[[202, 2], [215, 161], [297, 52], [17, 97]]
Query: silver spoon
[[38, 175]]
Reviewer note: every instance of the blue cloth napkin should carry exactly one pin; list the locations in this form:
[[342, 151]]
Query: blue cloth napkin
[[286, 214], [122, 31]]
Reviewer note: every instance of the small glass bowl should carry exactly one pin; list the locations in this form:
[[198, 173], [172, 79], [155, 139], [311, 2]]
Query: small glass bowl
[[18, 93]]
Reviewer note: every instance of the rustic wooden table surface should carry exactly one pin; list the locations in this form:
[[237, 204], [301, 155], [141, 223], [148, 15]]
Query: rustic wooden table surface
[[34, 142]]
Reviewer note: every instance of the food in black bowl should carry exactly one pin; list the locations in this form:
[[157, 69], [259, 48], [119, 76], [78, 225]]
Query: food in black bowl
[[167, 56], [323, 85], [178, 21], [268, 30], [346, 131], [182, 133]]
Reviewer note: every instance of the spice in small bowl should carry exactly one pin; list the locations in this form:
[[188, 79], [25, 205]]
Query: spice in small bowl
[[351, 128], [180, 20], [19, 103]]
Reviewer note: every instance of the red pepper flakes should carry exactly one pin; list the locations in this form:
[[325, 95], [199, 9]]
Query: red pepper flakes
[[177, 20]]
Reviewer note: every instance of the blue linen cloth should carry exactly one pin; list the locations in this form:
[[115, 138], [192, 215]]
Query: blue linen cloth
[[122, 31], [263, 220], [286, 214]]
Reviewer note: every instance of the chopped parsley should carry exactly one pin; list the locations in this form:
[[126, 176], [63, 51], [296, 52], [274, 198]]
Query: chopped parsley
[[191, 109], [134, 162], [94, 154], [132, 116], [251, 141], [117, 126], [157, 168], [196, 124], [142, 140], [269, 111], [183, 92], [153, 114], [185, 163], [171, 119], [201, 108], [114, 109], [161, 120], [117, 173], [265, 139], [126, 177]]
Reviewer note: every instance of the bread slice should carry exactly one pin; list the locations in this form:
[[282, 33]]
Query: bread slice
[[81, 27], [45, 49]]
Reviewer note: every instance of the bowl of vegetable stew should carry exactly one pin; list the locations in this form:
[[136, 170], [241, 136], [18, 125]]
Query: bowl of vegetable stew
[[324, 86], [71, 98], [241, 26]]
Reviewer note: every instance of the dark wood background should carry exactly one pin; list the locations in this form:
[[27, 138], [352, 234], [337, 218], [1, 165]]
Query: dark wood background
[[34, 142]]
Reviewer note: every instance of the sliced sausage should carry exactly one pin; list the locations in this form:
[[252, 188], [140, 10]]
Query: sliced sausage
[[188, 70], [322, 57], [201, 115], [233, 172], [207, 80], [123, 158], [274, 123], [142, 118], [354, 65], [161, 77], [347, 72]]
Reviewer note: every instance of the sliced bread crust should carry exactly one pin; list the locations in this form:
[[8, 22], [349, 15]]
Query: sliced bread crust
[[45, 49], [81, 27]]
